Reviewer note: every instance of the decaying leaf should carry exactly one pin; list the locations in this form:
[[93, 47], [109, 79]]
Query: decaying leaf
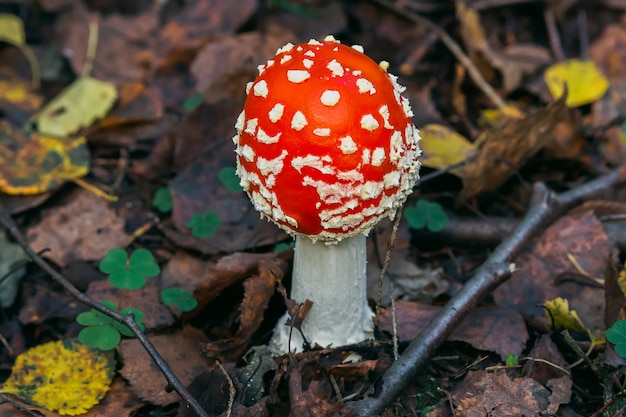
[[497, 329], [64, 376], [79, 105], [182, 353], [582, 80], [443, 147], [483, 394], [18, 94], [34, 163], [514, 61], [544, 272], [506, 147], [560, 315]]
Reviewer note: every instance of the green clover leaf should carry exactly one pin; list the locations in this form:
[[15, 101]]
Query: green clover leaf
[[617, 335], [162, 200], [129, 273], [122, 328], [99, 332], [204, 225], [426, 214], [229, 179], [100, 337], [180, 298]]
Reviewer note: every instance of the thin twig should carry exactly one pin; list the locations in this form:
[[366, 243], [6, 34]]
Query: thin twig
[[231, 389], [545, 208], [454, 47], [128, 319], [383, 271]]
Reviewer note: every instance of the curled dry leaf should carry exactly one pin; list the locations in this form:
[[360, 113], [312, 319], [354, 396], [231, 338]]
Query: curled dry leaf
[[506, 147]]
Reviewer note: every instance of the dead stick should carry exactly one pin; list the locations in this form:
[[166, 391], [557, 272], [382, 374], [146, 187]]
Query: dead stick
[[545, 208], [128, 319], [454, 47]]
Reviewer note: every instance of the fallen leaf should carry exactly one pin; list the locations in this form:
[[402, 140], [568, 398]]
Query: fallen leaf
[[12, 29], [180, 350], [544, 272], [559, 315], [85, 227], [442, 147], [42, 375], [582, 80], [544, 361], [483, 393], [34, 163], [489, 329], [504, 148], [258, 291], [79, 105], [514, 61], [608, 51], [18, 100]]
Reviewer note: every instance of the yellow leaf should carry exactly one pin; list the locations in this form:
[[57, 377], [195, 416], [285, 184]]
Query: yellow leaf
[[63, 376], [621, 280], [19, 95], [11, 29], [79, 105], [33, 164], [585, 83], [495, 117], [443, 147], [559, 314]]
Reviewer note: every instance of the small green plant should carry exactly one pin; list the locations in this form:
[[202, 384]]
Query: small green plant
[[616, 334], [180, 298], [512, 360], [283, 246], [126, 273], [203, 225], [129, 272], [101, 331], [229, 179], [426, 214], [193, 101], [162, 199]]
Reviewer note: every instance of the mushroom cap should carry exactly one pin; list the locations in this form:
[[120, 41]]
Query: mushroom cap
[[326, 146]]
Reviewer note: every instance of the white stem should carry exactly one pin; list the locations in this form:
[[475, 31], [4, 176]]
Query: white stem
[[334, 278]]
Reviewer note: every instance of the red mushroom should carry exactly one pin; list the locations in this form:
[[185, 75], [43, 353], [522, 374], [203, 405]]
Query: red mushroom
[[326, 148]]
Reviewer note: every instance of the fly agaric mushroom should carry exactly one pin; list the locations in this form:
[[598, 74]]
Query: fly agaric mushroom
[[326, 148]]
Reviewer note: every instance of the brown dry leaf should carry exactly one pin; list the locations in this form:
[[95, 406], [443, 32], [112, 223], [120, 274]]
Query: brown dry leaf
[[84, 228], [156, 315], [119, 401], [42, 304], [258, 290], [181, 351], [201, 20], [514, 62], [506, 147], [544, 356], [612, 106], [609, 52], [185, 270], [122, 42], [490, 329], [137, 103], [229, 270], [483, 394], [544, 272], [223, 67], [311, 400]]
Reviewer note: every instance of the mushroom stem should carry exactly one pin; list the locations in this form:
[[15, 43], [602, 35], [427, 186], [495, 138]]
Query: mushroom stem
[[334, 278]]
